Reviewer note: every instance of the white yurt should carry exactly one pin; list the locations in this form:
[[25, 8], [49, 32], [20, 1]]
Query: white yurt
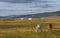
[[29, 18]]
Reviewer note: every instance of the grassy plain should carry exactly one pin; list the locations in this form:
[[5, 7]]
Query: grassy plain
[[26, 28]]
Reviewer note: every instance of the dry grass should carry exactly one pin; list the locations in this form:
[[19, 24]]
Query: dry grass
[[26, 28]]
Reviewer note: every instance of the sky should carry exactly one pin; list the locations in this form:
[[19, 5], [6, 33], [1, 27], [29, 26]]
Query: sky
[[23, 7]]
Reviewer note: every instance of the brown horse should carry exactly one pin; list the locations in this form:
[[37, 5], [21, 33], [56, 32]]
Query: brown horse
[[50, 28]]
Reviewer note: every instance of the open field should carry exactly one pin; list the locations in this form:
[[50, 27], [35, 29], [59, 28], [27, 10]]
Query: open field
[[26, 28]]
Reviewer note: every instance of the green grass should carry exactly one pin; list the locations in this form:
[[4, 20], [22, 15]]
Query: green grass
[[26, 29], [54, 34]]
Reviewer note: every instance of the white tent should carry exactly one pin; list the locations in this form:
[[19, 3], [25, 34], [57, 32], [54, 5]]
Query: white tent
[[29, 18], [21, 18]]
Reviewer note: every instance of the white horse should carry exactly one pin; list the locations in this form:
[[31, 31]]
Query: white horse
[[38, 28]]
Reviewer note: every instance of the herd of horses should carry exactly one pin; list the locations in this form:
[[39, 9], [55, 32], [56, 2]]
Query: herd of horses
[[39, 28]]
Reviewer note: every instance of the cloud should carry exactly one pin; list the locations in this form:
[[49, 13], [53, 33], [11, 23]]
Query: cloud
[[8, 8], [17, 1]]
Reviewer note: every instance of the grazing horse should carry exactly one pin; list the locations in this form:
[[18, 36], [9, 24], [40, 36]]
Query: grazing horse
[[38, 28], [50, 28]]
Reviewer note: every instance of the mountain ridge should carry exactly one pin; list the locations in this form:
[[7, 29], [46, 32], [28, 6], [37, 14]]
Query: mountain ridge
[[39, 15]]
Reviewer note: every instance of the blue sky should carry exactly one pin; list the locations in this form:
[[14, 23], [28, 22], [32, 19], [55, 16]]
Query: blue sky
[[21, 7]]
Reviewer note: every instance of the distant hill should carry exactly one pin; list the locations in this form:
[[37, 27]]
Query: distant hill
[[39, 15]]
